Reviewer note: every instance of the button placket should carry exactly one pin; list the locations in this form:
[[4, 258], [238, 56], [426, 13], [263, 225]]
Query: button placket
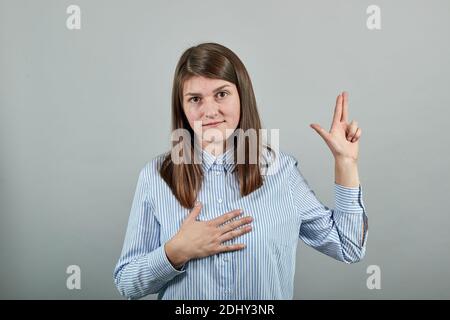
[[221, 177]]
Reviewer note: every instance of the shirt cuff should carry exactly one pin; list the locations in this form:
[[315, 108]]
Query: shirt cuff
[[161, 267], [348, 199]]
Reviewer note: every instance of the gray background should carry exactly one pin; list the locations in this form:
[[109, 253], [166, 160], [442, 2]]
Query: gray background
[[82, 111]]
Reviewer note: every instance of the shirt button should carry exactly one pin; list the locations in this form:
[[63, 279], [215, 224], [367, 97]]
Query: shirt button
[[353, 201], [225, 259], [217, 173], [219, 200]]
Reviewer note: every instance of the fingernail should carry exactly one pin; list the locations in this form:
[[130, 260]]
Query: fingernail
[[197, 203]]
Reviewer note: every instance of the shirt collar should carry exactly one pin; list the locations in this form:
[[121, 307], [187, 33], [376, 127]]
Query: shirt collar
[[224, 160]]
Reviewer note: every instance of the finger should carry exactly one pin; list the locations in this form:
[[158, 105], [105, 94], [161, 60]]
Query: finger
[[195, 212], [235, 233], [344, 107], [351, 130], [231, 247], [357, 135], [225, 217], [337, 110], [321, 131], [236, 224]]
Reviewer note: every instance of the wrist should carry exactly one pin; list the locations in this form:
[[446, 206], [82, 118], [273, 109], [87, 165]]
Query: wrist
[[175, 253], [346, 161], [346, 172]]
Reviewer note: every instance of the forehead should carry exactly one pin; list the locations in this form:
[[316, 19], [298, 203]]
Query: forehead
[[200, 84]]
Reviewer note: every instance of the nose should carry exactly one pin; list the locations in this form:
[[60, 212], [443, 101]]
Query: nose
[[211, 109]]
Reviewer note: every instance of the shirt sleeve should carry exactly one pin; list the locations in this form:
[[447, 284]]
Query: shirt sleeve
[[340, 233], [143, 267]]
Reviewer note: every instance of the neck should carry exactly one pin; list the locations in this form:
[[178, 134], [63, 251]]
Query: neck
[[215, 148]]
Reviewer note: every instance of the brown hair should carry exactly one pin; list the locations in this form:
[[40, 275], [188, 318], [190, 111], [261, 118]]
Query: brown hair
[[214, 61]]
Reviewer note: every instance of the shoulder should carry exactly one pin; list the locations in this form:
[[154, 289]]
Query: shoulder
[[278, 161], [288, 159], [151, 168]]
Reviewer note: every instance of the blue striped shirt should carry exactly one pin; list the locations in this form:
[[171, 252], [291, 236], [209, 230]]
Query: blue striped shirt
[[284, 209]]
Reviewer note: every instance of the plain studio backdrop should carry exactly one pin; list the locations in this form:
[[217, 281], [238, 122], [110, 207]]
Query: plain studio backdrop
[[82, 111]]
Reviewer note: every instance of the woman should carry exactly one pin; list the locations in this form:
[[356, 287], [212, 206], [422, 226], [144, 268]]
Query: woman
[[222, 227]]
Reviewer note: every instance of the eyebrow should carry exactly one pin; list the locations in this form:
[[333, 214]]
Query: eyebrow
[[215, 90]]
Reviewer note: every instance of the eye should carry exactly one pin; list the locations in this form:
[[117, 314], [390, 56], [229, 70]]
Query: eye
[[222, 92], [191, 99]]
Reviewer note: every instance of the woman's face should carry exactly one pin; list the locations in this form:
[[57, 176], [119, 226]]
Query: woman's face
[[212, 107]]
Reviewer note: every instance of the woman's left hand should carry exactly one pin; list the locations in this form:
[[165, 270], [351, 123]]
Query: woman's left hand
[[343, 138]]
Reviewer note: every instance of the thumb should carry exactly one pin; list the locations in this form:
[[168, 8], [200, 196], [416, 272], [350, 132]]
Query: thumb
[[195, 212], [321, 131]]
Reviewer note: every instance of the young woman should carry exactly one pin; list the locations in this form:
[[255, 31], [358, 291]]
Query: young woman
[[222, 227]]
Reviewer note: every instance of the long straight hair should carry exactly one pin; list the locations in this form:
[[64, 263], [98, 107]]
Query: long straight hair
[[213, 61]]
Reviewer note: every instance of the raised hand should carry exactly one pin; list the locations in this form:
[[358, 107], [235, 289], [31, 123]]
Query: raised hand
[[343, 138]]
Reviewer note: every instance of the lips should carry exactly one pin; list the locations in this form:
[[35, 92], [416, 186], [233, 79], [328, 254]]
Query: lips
[[213, 124]]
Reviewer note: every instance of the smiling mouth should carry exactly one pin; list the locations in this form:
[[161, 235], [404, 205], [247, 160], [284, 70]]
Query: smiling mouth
[[213, 124]]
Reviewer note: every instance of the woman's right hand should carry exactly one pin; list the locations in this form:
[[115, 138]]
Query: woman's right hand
[[198, 239]]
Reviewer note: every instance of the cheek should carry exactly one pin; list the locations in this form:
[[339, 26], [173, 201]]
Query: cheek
[[234, 120], [234, 113], [191, 114]]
